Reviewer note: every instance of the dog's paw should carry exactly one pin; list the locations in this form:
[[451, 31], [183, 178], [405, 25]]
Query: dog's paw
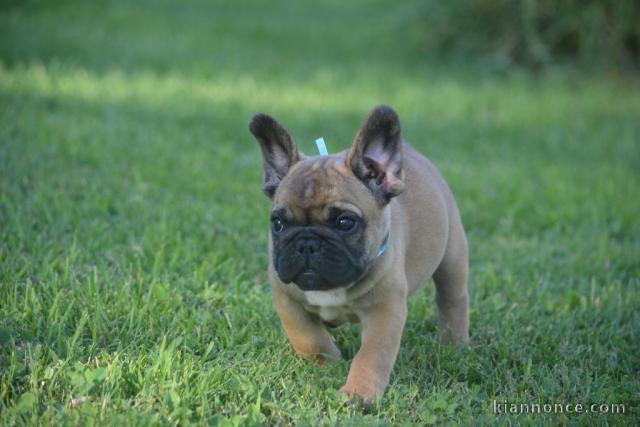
[[324, 359], [319, 355], [363, 393]]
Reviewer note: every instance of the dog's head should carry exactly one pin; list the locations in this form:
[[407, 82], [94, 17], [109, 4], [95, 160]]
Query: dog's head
[[329, 217]]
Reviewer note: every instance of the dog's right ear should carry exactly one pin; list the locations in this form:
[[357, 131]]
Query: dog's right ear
[[279, 152]]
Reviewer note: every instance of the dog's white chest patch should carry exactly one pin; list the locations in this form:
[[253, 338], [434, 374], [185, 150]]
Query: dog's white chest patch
[[329, 305], [333, 297]]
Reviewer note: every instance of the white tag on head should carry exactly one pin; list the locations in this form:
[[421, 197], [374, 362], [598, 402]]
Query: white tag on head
[[322, 148]]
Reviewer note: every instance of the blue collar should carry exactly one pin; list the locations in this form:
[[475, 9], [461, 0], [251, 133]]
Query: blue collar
[[384, 245]]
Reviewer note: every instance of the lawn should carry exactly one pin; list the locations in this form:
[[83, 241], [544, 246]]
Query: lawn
[[133, 229]]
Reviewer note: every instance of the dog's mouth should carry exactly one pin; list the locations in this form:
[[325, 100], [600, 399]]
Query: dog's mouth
[[308, 279]]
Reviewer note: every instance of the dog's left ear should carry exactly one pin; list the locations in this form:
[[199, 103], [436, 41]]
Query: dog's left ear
[[376, 154]]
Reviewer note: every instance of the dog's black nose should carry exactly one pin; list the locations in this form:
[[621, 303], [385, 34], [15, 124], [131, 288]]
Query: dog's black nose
[[308, 245]]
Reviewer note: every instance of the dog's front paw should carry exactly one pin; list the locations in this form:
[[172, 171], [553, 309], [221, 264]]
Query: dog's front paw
[[364, 391], [325, 359]]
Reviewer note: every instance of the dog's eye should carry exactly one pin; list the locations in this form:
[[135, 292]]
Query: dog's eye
[[277, 225], [345, 223]]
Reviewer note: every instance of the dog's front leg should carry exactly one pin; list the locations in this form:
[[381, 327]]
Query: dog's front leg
[[381, 335], [307, 335]]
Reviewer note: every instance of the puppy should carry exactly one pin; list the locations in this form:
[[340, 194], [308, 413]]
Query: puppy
[[352, 236]]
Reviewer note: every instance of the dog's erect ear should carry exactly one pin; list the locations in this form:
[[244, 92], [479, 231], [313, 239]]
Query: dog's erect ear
[[279, 152], [376, 154]]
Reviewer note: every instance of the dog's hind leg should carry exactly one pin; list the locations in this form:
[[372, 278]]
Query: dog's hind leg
[[452, 294]]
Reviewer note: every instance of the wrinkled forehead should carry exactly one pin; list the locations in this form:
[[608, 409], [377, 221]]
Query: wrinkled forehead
[[317, 186]]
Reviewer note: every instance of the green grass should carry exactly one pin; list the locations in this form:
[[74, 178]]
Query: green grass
[[133, 228]]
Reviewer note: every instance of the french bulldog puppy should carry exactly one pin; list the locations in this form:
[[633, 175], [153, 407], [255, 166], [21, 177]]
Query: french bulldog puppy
[[352, 236]]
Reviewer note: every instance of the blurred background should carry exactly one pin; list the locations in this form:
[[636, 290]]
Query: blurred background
[[499, 34], [535, 34], [133, 228]]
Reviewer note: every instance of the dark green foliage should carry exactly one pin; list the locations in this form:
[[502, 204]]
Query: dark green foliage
[[535, 33]]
